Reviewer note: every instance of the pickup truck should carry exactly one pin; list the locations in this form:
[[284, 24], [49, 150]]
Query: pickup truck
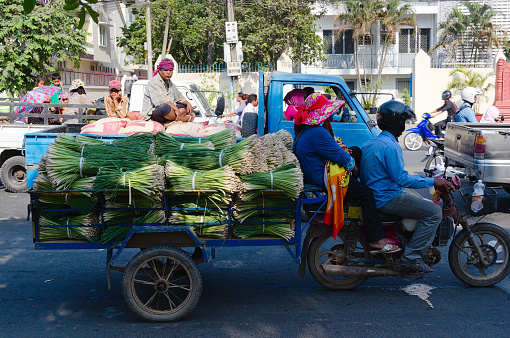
[[482, 148], [270, 118]]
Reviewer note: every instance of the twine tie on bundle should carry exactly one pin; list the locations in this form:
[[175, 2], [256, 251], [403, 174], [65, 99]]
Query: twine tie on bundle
[[182, 146], [271, 172], [193, 181], [219, 158]]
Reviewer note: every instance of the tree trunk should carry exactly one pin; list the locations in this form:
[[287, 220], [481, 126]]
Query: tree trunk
[[210, 50]]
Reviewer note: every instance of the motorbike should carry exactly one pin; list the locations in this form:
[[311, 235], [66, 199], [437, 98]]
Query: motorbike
[[478, 254], [420, 134]]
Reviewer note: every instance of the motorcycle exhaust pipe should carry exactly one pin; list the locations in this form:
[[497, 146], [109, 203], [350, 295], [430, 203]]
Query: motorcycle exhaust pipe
[[340, 270]]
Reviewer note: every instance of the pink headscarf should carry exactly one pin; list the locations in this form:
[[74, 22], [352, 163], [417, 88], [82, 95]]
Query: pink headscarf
[[164, 65], [490, 115]]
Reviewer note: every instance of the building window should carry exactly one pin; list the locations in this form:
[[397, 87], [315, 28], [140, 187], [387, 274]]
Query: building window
[[102, 36], [350, 84], [338, 43], [403, 84], [327, 37], [408, 39]]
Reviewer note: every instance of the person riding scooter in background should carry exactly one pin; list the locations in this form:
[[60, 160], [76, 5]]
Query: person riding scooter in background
[[450, 108], [465, 113], [382, 170]]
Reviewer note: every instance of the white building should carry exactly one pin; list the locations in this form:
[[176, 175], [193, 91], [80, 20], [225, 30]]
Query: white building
[[397, 71]]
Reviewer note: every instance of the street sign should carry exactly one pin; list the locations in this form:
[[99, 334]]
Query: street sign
[[239, 52], [231, 30], [234, 69]]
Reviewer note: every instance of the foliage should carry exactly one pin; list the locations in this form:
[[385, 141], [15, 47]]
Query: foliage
[[30, 43], [464, 77], [472, 33], [405, 96], [362, 17], [82, 6], [266, 28], [506, 49]]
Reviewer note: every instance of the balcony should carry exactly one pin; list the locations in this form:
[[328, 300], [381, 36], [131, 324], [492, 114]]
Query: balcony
[[348, 61]]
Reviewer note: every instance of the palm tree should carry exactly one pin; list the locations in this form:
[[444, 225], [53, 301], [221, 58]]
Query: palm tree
[[394, 14], [360, 16], [464, 77]]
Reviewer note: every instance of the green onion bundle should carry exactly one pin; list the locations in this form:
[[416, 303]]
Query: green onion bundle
[[164, 144], [275, 156], [262, 228], [221, 140], [115, 234], [288, 178], [182, 178], [88, 233], [148, 180], [286, 138], [265, 206], [88, 140]]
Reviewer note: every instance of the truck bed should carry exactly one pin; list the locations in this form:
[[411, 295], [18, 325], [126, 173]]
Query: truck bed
[[492, 165]]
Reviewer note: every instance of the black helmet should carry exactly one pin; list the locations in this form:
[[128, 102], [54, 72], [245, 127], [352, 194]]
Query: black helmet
[[446, 95], [393, 115]]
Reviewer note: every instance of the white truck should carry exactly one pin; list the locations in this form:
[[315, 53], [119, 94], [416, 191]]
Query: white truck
[[12, 159]]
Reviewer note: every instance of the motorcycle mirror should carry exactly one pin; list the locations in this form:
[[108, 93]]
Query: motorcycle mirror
[[220, 106]]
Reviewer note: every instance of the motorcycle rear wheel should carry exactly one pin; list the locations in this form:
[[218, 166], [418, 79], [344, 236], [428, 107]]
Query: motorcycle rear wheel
[[433, 162], [413, 141], [322, 250], [495, 244]]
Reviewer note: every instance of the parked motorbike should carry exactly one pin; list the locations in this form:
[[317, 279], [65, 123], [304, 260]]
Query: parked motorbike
[[478, 254], [420, 134]]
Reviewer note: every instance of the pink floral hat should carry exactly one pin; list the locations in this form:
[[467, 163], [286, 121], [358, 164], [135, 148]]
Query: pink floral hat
[[317, 109]]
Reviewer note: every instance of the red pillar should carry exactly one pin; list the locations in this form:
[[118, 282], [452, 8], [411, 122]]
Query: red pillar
[[502, 99]]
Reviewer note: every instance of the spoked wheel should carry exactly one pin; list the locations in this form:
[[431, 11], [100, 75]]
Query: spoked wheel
[[162, 284], [434, 162], [326, 250], [495, 246], [413, 141]]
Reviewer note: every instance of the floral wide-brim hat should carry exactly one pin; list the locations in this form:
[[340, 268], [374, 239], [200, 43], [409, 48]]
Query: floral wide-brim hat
[[317, 109], [76, 84]]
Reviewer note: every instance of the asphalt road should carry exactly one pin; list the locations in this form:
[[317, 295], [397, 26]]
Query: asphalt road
[[248, 292]]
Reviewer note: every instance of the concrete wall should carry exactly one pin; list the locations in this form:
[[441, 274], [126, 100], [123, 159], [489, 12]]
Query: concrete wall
[[429, 83]]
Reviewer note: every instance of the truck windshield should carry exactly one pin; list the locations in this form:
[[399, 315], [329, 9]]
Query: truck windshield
[[203, 100]]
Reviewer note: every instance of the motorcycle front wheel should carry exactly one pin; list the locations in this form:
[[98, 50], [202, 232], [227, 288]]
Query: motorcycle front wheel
[[413, 141], [465, 262]]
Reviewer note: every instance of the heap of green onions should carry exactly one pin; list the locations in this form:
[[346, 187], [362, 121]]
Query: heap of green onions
[[265, 206], [260, 226], [286, 138], [84, 232], [288, 178], [117, 233], [222, 179], [221, 140], [164, 143]]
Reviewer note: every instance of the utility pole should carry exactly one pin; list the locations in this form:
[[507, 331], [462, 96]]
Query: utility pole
[[165, 37], [233, 52], [149, 38]]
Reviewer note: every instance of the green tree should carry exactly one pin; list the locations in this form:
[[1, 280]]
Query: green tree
[[82, 7], [266, 28], [473, 33], [30, 44], [463, 77]]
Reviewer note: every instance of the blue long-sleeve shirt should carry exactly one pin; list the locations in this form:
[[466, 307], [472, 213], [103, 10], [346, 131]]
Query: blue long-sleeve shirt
[[314, 148], [382, 169], [466, 115]]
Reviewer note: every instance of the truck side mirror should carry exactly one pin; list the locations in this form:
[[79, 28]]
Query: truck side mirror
[[220, 106]]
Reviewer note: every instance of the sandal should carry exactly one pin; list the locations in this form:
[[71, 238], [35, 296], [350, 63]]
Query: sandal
[[417, 266], [388, 249]]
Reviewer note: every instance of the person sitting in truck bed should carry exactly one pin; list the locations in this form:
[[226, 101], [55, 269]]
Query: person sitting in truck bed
[[116, 105], [316, 149], [295, 99], [162, 101]]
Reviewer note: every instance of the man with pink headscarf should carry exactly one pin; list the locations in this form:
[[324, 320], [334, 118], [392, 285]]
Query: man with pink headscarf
[[162, 101], [490, 115]]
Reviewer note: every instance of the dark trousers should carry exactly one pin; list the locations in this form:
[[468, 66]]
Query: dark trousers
[[441, 125], [362, 194]]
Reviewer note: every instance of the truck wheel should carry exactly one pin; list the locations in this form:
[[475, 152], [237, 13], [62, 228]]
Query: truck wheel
[[413, 141], [326, 250], [14, 174], [465, 262], [161, 284], [249, 124]]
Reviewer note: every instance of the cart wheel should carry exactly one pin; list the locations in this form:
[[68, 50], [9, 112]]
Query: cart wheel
[[161, 284], [326, 250]]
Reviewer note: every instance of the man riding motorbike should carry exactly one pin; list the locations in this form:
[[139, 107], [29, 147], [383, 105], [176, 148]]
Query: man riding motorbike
[[465, 113], [450, 108], [382, 170]]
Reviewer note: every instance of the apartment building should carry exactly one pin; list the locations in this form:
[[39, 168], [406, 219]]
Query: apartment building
[[397, 68]]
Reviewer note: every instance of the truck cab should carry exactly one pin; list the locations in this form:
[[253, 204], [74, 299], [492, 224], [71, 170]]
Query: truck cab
[[351, 122], [201, 106]]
